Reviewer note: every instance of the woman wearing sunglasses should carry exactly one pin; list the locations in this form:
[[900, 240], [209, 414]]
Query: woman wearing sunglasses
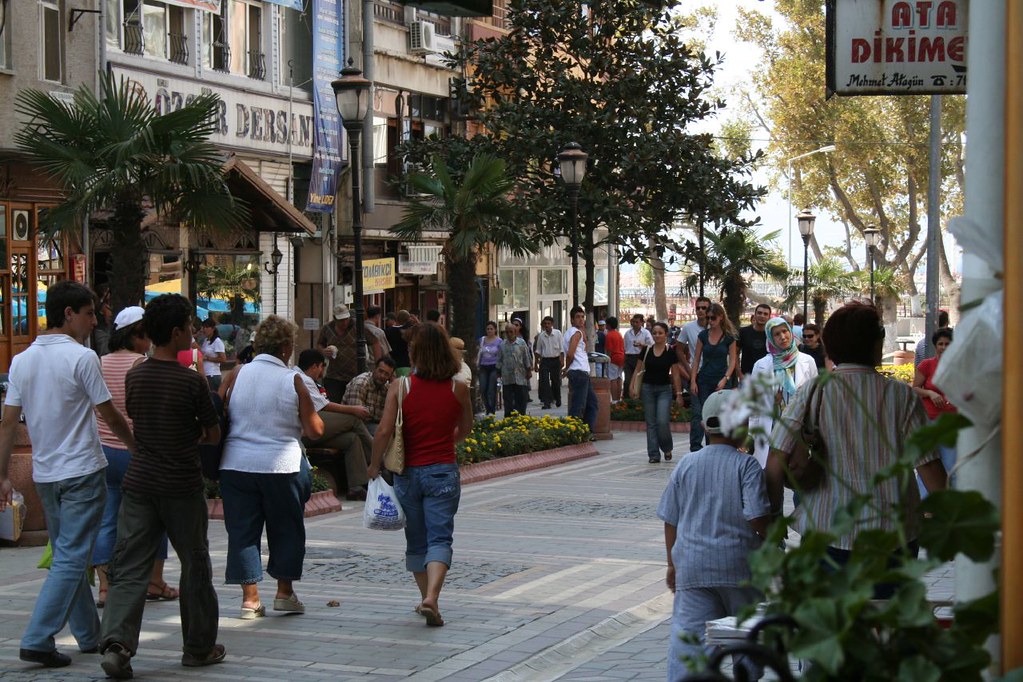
[[812, 344], [714, 363]]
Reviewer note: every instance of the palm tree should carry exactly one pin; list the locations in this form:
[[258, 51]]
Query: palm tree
[[471, 208], [734, 255], [828, 281], [889, 286], [115, 152]]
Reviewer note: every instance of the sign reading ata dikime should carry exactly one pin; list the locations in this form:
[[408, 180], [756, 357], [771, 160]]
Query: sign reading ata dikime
[[896, 47]]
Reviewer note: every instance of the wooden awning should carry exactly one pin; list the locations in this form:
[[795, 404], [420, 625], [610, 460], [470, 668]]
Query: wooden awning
[[270, 211]]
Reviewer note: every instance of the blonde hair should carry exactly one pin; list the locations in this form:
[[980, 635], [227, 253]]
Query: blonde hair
[[726, 324], [273, 335]]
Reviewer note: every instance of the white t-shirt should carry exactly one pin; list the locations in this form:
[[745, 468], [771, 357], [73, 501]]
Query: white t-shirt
[[210, 349], [57, 382], [689, 336], [643, 336], [581, 359], [320, 401]]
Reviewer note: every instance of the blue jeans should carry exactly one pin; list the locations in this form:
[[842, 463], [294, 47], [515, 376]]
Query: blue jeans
[[582, 402], [73, 509], [117, 466], [276, 501], [704, 387], [488, 387], [429, 496], [657, 411]]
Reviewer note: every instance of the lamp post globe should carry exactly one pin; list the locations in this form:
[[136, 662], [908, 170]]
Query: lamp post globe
[[572, 166], [353, 94], [806, 220]]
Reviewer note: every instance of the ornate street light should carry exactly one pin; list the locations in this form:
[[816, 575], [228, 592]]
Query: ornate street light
[[354, 95], [871, 235], [271, 267], [806, 221], [572, 163]]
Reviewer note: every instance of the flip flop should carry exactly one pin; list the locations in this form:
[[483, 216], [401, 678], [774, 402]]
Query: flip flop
[[431, 615], [102, 601], [166, 593]]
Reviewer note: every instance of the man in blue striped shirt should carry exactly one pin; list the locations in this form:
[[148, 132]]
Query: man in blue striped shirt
[[715, 511]]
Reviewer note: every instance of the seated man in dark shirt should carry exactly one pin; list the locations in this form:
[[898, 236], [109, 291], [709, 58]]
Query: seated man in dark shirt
[[163, 492]]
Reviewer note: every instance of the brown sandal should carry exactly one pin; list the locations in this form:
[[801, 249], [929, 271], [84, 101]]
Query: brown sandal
[[432, 615], [166, 592]]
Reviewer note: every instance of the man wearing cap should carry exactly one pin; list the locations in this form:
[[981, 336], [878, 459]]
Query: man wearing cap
[[337, 342], [715, 511], [600, 340]]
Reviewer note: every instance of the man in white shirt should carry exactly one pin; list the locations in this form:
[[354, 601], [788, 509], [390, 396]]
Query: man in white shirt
[[344, 427], [582, 401], [57, 382], [637, 339], [549, 351]]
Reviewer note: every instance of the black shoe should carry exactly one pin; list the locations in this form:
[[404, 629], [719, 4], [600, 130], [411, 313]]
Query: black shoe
[[655, 460], [116, 662], [557, 403], [546, 406], [212, 657], [47, 659]]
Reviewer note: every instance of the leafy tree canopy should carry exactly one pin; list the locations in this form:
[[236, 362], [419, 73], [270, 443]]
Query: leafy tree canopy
[[617, 77]]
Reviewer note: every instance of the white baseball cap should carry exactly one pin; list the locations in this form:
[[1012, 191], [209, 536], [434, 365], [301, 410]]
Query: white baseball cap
[[128, 316]]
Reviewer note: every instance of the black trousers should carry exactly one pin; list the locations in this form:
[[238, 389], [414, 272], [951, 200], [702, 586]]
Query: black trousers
[[550, 381], [514, 398]]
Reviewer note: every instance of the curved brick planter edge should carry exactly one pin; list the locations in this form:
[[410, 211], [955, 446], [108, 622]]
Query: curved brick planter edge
[[530, 461], [323, 502], [676, 427]]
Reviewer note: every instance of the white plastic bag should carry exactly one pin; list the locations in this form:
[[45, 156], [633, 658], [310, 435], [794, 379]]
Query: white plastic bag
[[382, 510], [12, 518]]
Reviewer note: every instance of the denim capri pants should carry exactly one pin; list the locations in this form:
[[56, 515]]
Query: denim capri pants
[[429, 496]]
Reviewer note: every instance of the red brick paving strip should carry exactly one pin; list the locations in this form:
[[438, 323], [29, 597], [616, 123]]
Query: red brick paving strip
[[482, 471], [676, 427]]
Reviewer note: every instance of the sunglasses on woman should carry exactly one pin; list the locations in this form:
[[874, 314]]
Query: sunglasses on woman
[[712, 317]]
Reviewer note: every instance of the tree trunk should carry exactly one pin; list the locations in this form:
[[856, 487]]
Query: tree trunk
[[733, 295], [128, 256], [889, 306], [660, 299], [463, 293], [820, 309]]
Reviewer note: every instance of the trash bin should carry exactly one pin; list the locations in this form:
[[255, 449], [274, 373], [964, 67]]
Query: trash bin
[[602, 388]]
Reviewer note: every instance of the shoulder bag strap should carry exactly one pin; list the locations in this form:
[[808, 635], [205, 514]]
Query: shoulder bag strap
[[401, 396]]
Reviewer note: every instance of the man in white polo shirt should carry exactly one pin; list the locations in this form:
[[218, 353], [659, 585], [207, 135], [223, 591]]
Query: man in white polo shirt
[[637, 339], [549, 350], [57, 382]]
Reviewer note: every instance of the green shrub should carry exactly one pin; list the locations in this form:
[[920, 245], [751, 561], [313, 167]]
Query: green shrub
[[493, 438]]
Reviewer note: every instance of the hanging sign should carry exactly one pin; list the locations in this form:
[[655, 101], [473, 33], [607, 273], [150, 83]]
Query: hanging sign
[[378, 274], [894, 47], [328, 52]]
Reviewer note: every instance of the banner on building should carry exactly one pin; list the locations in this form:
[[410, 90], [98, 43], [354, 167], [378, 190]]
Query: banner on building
[[328, 53], [291, 4], [205, 5], [894, 47], [377, 275]]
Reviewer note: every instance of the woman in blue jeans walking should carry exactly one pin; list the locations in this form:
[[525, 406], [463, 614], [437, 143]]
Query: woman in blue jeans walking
[[656, 363], [714, 361], [436, 413], [487, 362]]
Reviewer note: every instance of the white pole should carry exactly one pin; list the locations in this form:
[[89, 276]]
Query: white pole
[[984, 205]]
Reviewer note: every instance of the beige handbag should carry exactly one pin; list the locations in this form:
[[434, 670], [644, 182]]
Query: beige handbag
[[394, 456], [636, 384]]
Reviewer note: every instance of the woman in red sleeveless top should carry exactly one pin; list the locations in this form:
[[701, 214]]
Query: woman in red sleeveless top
[[436, 414]]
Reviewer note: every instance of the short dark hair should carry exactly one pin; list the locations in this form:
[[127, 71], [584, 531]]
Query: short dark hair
[[577, 309], [638, 316], [66, 294], [664, 326], [798, 318], [764, 305], [702, 298], [433, 315], [851, 332], [390, 316], [386, 360], [811, 327], [164, 314], [310, 357], [372, 311], [612, 322], [547, 319], [212, 324], [942, 318], [943, 333]]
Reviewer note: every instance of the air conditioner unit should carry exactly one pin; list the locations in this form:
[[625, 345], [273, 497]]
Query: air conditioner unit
[[344, 293], [443, 44], [421, 38]]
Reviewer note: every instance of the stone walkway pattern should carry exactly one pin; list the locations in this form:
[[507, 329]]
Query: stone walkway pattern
[[558, 575]]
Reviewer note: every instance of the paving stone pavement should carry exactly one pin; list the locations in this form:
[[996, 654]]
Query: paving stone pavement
[[557, 574]]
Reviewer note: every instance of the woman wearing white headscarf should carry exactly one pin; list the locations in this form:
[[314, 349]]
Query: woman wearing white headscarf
[[790, 368]]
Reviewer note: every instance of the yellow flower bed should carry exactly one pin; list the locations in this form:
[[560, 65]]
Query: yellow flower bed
[[492, 438], [903, 373]]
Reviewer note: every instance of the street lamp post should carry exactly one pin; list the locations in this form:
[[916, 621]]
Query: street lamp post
[[806, 221], [276, 257], [572, 161], [827, 149], [870, 235], [352, 92]]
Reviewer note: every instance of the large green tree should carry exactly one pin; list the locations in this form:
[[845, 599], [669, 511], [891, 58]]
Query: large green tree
[[113, 151], [470, 204], [878, 173], [617, 77]]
